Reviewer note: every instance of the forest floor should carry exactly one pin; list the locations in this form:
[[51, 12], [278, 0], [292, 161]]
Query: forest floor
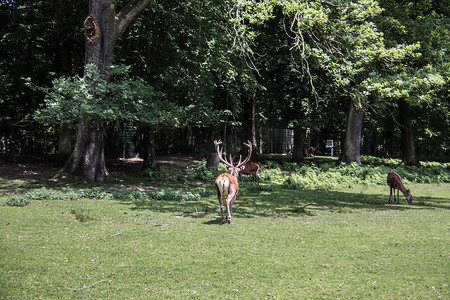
[[45, 165]]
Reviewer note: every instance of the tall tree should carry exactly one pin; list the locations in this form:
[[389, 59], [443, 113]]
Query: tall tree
[[420, 82], [102, 27], [339, 37]]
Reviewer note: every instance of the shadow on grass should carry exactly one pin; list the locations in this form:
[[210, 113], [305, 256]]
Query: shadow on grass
[[264, 200], [275, 201]]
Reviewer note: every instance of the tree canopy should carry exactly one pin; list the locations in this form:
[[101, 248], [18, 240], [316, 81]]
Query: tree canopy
[[195, 68]]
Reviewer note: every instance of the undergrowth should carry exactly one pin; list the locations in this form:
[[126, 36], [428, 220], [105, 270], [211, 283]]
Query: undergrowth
[[325, 176]]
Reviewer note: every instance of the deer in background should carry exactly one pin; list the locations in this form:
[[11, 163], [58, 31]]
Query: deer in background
[[394, 181], [250, 168], [226, 184]]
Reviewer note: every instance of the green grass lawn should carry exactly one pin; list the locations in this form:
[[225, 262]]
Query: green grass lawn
[[353, 246]]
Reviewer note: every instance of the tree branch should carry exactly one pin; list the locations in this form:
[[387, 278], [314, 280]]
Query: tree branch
[[127, 15]]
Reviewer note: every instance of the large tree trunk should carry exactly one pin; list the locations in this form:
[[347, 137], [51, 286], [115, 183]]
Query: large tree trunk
[[89, 156], [148, 149], [102, 28], [407, 137], [299, 144], [249, 127], [352, 140]]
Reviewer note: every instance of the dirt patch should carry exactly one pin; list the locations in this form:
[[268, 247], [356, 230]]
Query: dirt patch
[[45, 165]]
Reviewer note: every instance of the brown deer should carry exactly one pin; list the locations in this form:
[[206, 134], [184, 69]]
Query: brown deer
[[226, 184], [309, 151], [394, 181], [250, 168]]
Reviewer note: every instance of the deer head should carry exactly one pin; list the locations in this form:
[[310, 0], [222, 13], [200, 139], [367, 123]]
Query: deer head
[[408, 197], [234, 169]]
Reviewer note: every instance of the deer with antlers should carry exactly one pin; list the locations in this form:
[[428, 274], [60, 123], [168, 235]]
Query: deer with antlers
[[394, 181], [226, 184]]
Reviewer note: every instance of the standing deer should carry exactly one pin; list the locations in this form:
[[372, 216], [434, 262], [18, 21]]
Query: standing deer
[[395, 183], [250, 168], [226, 184]]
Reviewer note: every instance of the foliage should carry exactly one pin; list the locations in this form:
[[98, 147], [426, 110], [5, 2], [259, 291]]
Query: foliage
[[16, 200], [328, 177], [83, 99], [194, 63], [39, 40]]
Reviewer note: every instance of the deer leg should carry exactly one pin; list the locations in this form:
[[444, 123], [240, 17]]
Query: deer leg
[[221, 212], [398, 198], [219, 197], [229, 205], [230, 201], [390, 196]]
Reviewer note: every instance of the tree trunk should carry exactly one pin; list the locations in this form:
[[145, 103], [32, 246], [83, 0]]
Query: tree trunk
[[64, 144], [102, 28], [388, 143], [352, 140], [407, 137], [148, 149], [299, 144], [89, 155], [249, 127], [212, 160]]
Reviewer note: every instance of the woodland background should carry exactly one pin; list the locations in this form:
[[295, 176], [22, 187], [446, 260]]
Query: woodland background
[[370, 75]]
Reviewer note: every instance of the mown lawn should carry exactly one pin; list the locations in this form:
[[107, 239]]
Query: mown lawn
[[351, 245]]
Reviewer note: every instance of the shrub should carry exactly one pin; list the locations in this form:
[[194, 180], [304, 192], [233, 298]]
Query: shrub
[[177, 195], [272, 175], [205, 173], [17, 200], [40, 194]]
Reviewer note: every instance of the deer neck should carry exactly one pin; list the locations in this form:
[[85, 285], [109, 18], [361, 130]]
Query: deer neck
[[402, 188]]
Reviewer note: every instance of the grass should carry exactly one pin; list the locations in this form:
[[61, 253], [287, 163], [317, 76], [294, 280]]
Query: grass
[[105, 241]]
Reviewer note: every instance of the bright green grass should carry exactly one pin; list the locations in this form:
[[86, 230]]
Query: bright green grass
[[357, 246]]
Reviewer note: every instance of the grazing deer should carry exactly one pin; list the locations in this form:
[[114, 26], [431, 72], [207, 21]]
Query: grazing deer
[[309, 151], [395, 183], [226, 184], [250, 168]]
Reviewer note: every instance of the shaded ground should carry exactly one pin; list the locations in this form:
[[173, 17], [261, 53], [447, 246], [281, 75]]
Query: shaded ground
[[44, 165]]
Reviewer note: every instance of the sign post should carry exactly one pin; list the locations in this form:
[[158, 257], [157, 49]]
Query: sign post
[[330, 145]]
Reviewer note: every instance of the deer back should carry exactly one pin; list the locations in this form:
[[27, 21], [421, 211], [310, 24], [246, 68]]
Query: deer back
[[394, 180], [250, 168]]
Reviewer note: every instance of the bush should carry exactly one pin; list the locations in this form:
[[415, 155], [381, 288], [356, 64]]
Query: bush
[[177, 195], [17, 200], [205, 173]]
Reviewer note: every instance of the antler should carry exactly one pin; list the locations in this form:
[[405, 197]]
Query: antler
[[249, 146], [219, 154], [230, 163]]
